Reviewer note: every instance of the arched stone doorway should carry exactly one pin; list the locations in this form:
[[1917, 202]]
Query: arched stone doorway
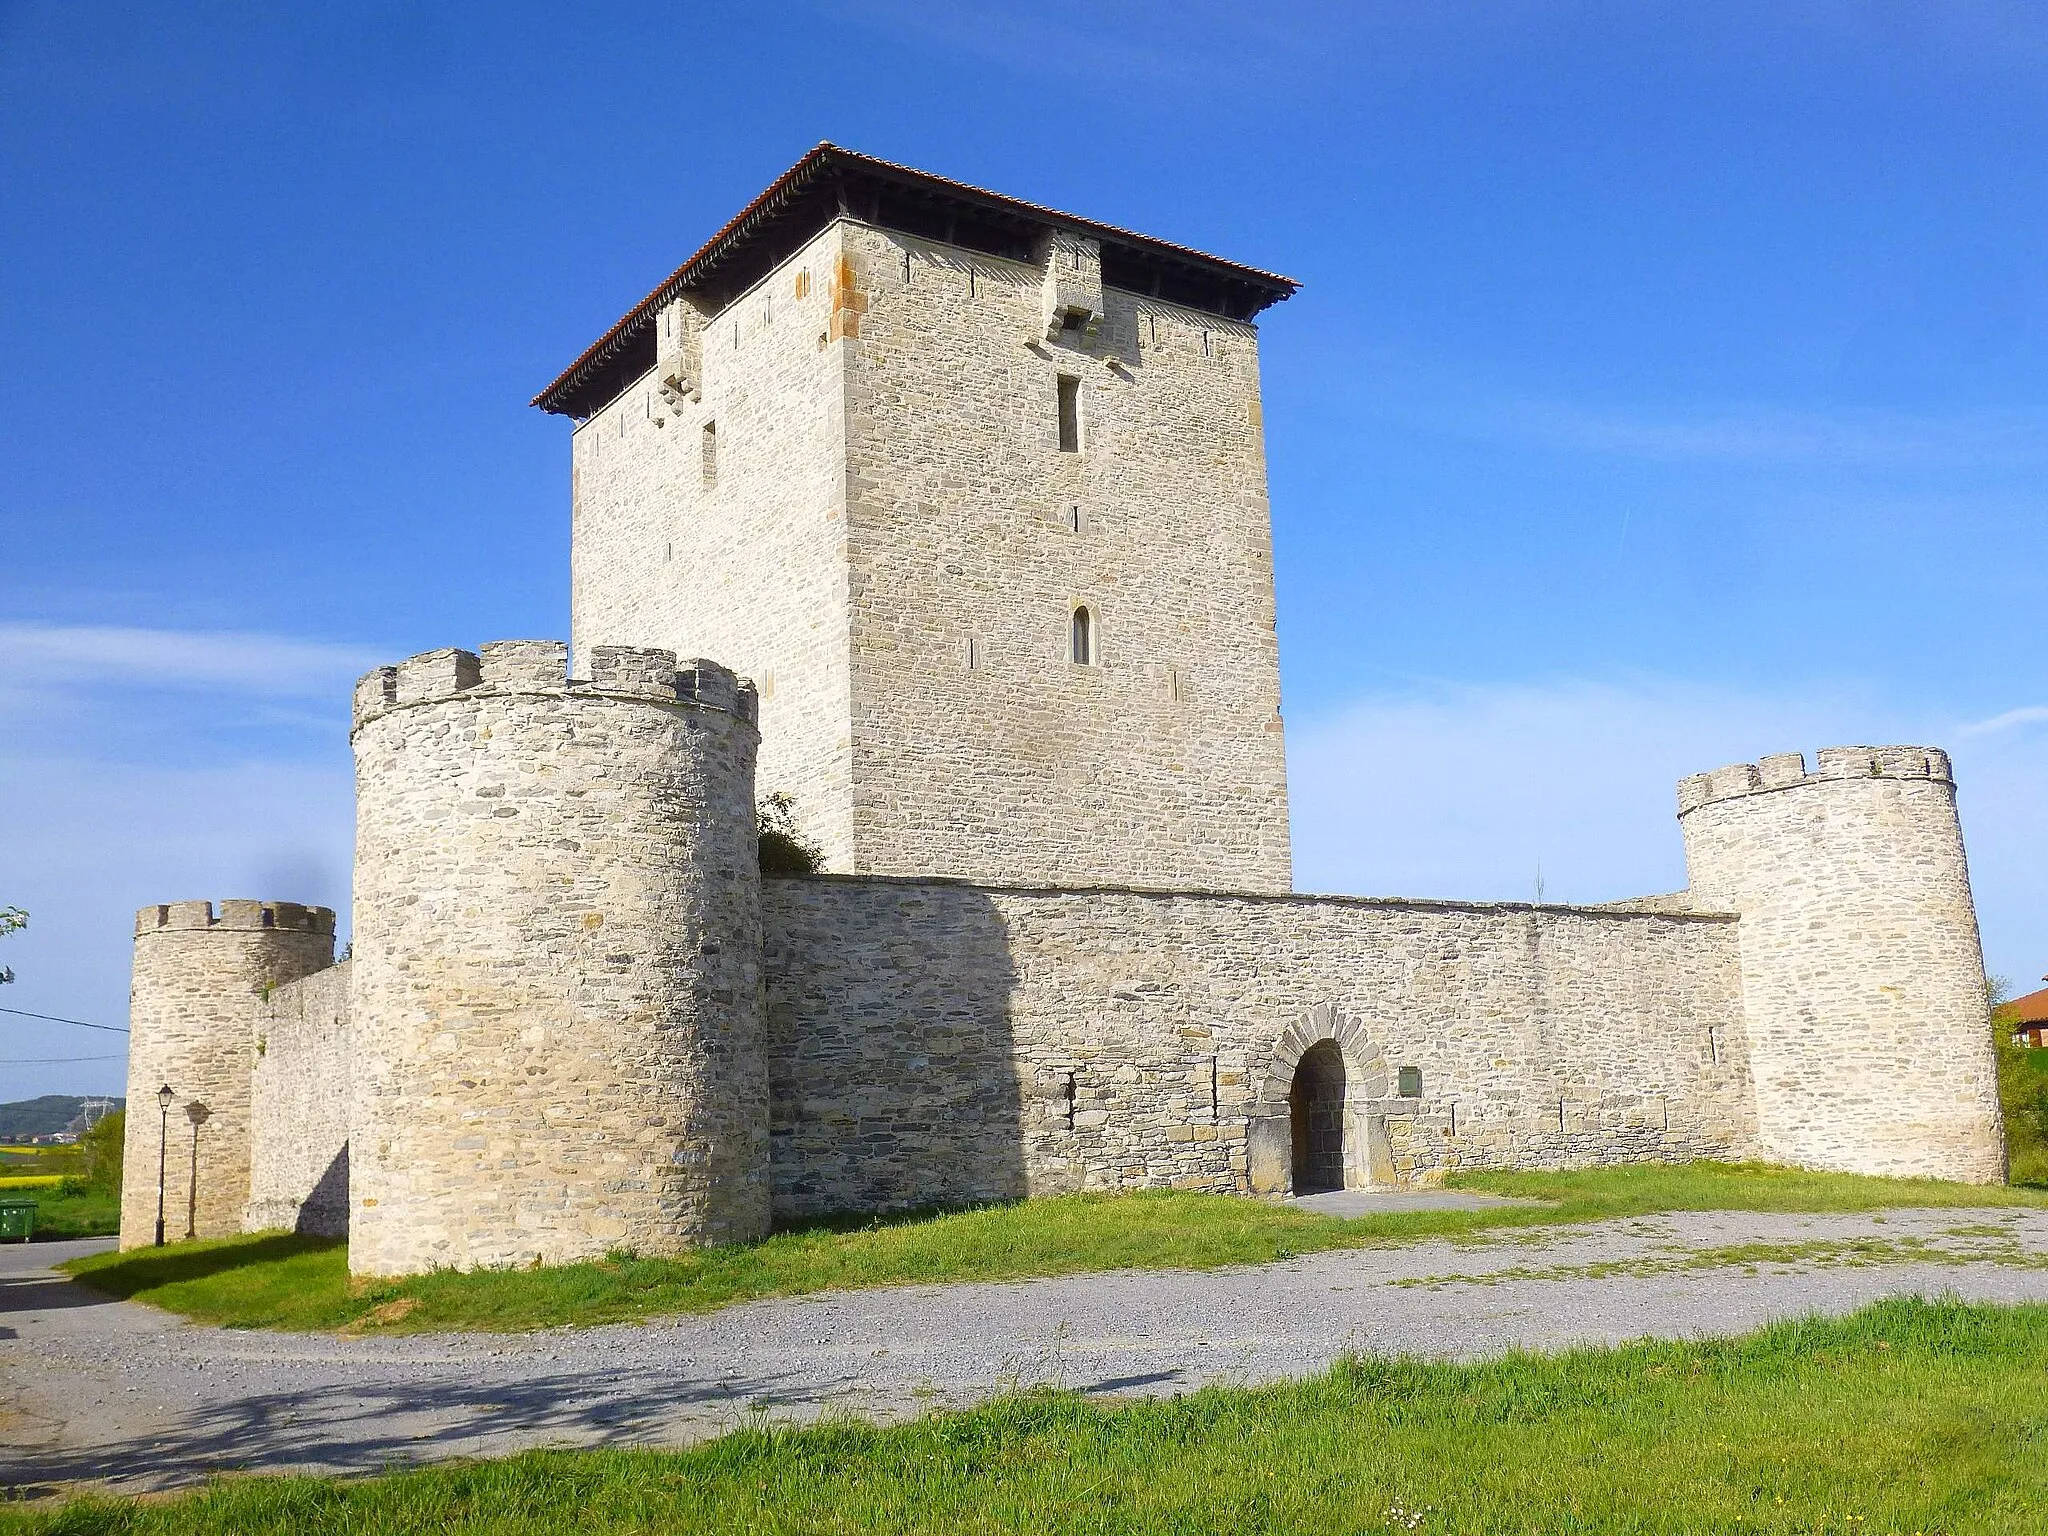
[[1316, 1118]]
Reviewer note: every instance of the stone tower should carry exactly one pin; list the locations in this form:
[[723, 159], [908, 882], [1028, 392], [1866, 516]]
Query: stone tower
[[199, 976], [976, 492], [556, 1008], [1862, 980]]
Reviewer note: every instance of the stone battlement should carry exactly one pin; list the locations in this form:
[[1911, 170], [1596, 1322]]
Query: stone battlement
[[233, 917], [1787, 770], [542, 667]]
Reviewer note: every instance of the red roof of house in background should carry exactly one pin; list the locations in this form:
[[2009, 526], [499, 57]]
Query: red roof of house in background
[[2031, 1009]]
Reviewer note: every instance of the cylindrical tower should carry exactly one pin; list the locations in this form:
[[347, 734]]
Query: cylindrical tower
[[556, 1010], [1862, 977], [191, 1019]]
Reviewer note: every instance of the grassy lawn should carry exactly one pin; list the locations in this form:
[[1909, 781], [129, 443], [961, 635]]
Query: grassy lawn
[[60, 1216], [289, 1282], [1908, 1417]]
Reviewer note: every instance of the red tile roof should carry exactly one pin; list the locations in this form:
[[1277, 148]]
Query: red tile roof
[[793, 207]]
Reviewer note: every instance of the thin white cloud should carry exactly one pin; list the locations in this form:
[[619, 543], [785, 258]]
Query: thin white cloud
[[1469, 791], [2031, 714], [45, 655]]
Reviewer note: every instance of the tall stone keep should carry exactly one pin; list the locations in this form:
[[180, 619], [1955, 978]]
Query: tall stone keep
[[199, 975], [1862, 978], [556, 1000], [976, 492]]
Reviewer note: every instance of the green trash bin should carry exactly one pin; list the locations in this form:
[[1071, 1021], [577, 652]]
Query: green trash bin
[[17, 1219]]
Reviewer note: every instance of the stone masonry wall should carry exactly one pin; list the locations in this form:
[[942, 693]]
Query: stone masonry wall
[[981, 749], [199, 975], [747, 564], [1862, 977], [298, 1108], [555, 1014], [892, 546], [936, 1041]]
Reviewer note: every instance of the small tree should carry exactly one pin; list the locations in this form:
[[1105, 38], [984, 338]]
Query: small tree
[[101, 1147], [784, 850]]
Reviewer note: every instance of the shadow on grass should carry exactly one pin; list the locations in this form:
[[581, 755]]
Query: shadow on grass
[[145, 1269], [876, 1221]]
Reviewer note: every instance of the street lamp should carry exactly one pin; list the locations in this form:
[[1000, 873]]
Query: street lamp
[[163, 1142], [198, 1114]]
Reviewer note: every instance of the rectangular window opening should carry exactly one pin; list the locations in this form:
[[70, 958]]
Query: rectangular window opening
[[1074, 518], [711, 453], [1070, 413]]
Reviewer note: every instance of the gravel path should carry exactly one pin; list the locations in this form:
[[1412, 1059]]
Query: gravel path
[[118, 1395]]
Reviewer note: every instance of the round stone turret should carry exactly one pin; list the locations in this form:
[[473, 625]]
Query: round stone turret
[[1862, 976], [556, 1009], [199, 973]]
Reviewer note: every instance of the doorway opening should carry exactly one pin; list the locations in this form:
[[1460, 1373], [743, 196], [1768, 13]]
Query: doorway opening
[[1315, 1104]]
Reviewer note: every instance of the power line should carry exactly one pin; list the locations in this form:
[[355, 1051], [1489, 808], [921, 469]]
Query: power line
[[54, 1061], [112, 1029]]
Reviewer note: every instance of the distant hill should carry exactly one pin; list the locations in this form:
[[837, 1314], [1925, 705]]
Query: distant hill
[[40, 1117]]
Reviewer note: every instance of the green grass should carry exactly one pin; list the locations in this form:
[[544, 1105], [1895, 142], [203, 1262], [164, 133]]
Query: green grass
[[1911, 1416], [287, 1282], [61, 1214]]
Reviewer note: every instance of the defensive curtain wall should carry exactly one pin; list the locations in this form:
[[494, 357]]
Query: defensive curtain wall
[[578, 1019]]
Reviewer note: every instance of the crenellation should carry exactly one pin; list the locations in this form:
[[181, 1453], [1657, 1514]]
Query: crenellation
[[234, 916], [512, 668], [437, 674], [1787, 770], [523, 663], [641, 671]]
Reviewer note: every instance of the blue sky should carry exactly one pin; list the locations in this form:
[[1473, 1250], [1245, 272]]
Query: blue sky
[[1668, 387]]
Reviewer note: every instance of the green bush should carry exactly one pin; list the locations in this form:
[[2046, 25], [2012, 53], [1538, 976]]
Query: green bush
[[2023, 1093], [784, 850]]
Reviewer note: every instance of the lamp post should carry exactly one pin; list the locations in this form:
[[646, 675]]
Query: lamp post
[[163, 1143], [197, 1113]]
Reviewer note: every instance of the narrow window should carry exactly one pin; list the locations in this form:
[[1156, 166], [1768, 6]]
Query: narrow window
[[1070, 414], [1070, 1101], [1084, 637], [1215, 1094], [1074, 518], [906, 266], [970, 282], [973, 654], [711, 453], [803, 283]]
